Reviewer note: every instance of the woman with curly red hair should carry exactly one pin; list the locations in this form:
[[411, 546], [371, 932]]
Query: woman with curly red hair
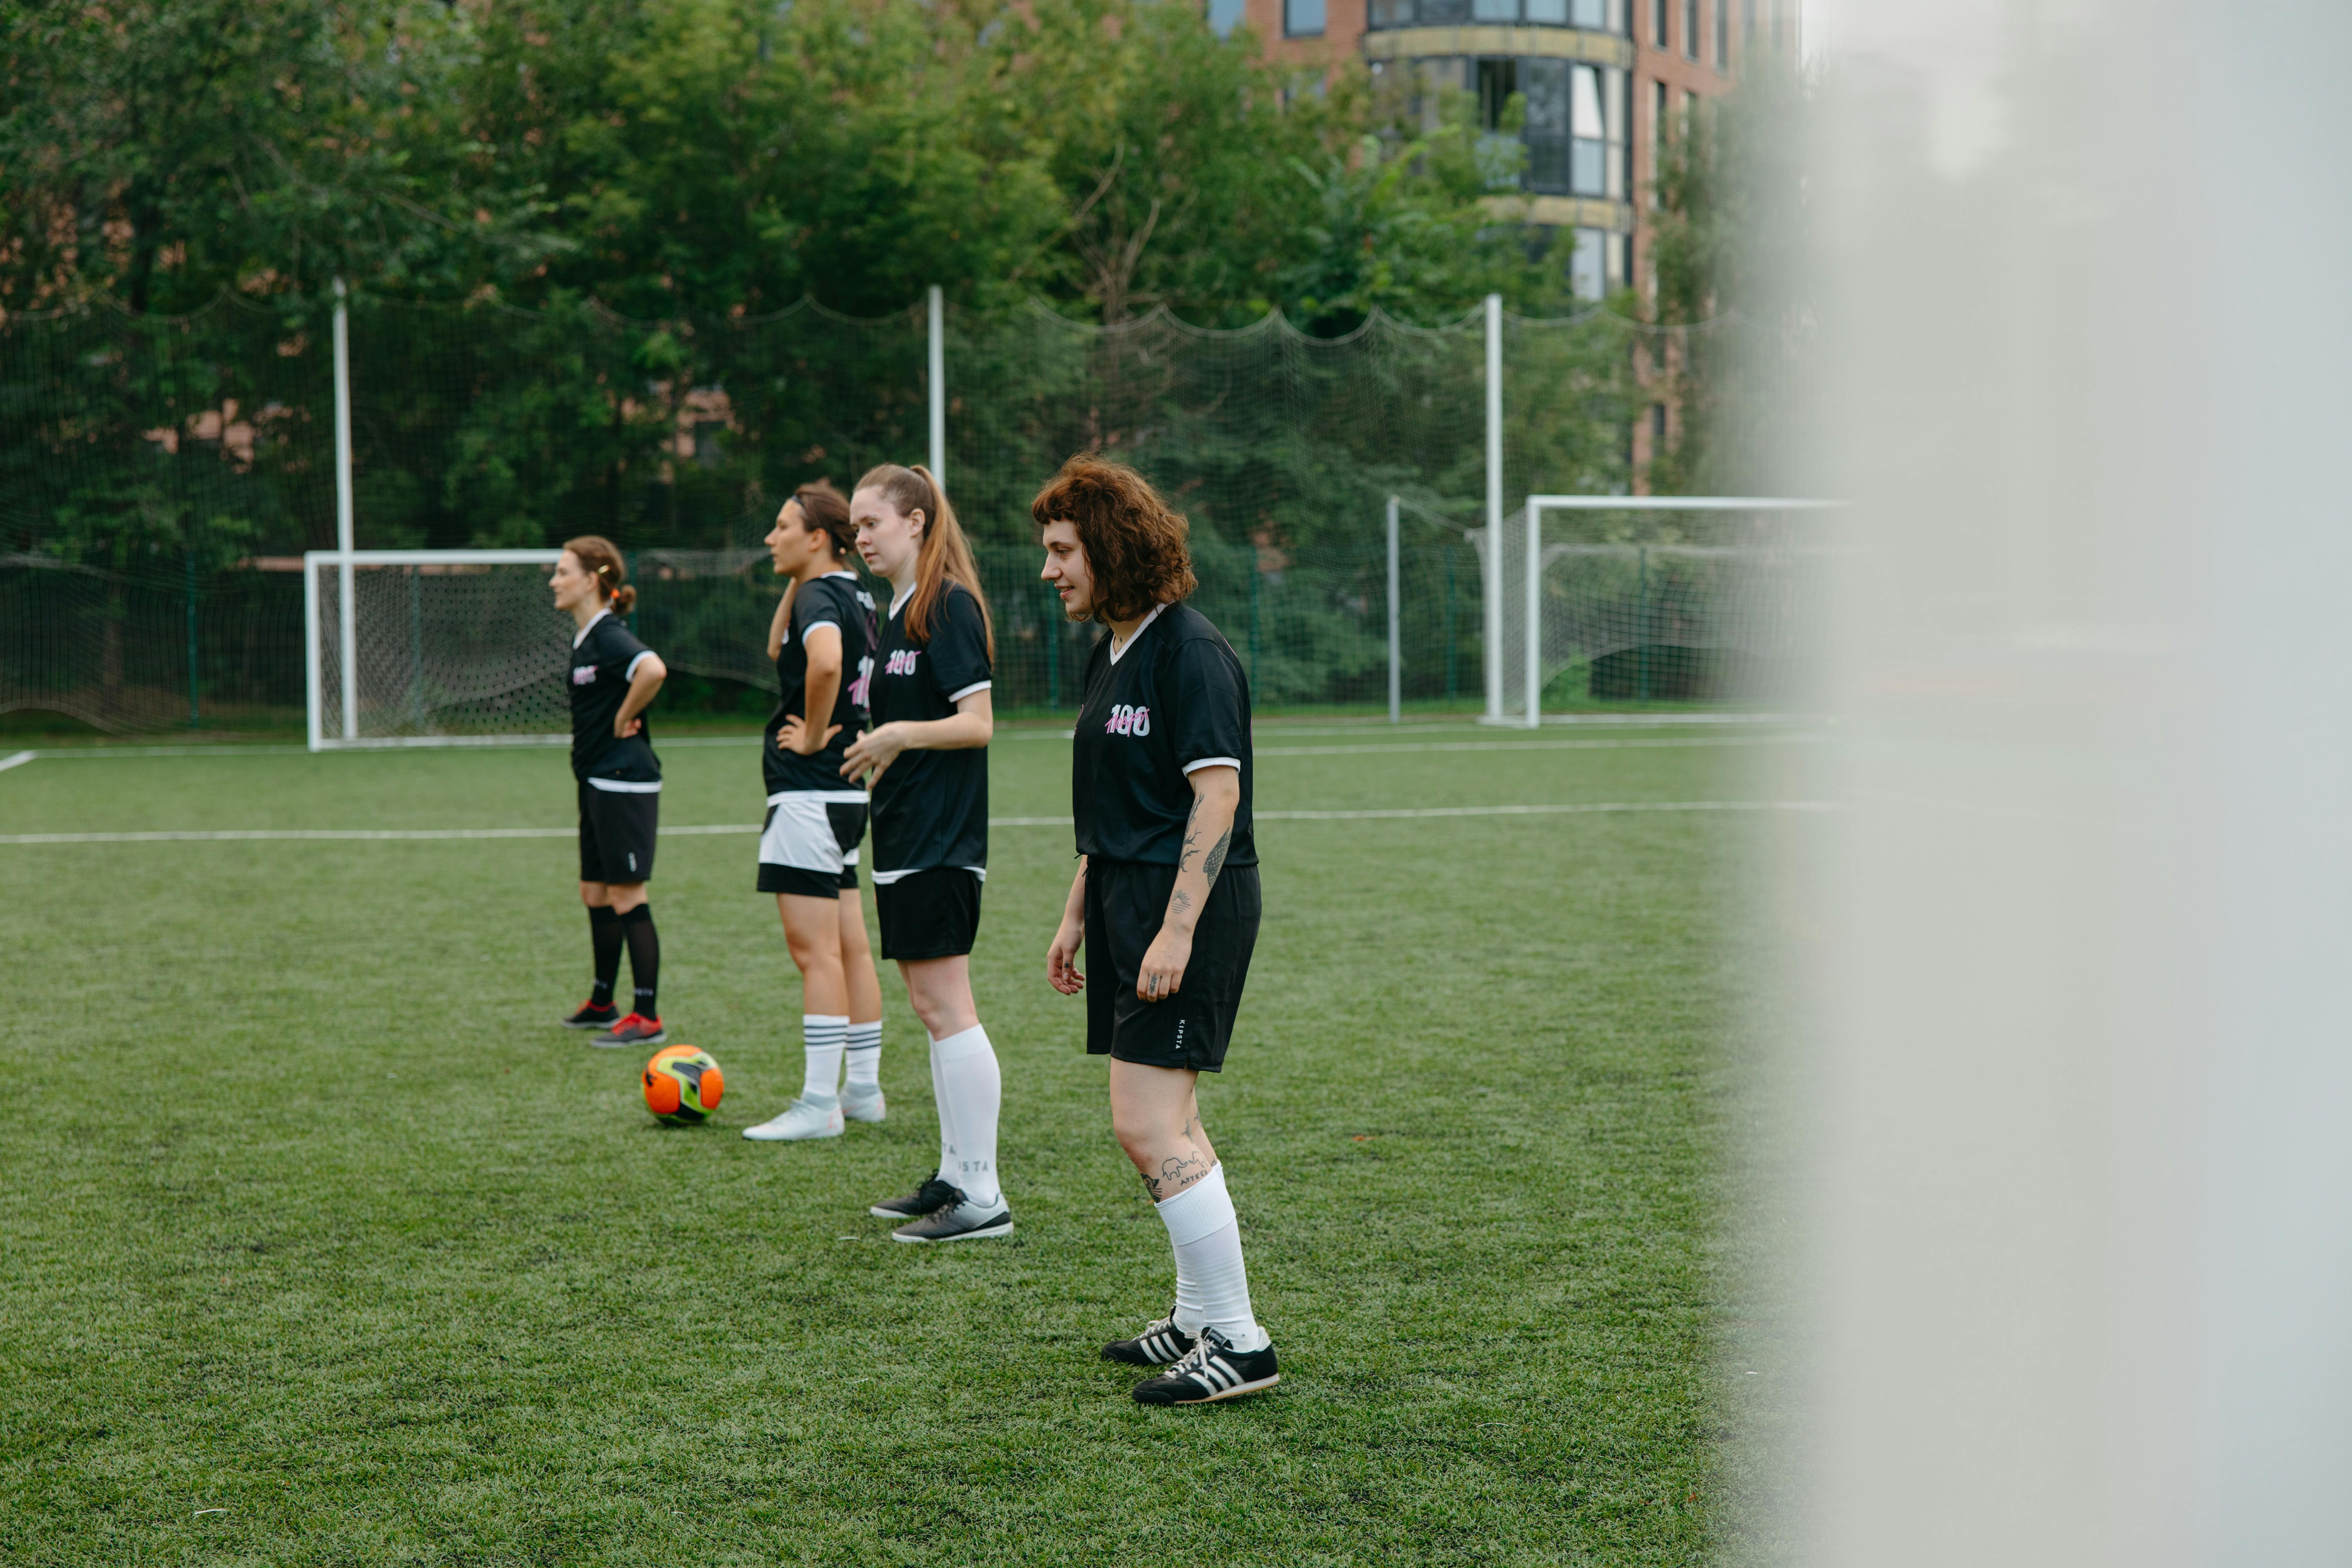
[[1166, 898]]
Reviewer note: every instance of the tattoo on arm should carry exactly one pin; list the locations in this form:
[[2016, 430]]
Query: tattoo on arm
[[1191, 839], [1217, 860], [1180, 900]]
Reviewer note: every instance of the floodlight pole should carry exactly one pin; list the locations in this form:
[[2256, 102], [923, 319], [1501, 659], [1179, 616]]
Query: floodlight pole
[[344, 542], [1396, 640], [939, 385], [1494, 508]]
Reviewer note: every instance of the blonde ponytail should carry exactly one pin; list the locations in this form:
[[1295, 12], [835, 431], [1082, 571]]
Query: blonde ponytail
[[944, 555]]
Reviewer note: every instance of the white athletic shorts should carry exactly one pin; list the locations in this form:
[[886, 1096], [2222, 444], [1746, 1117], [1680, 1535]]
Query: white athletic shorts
[[809, 843]]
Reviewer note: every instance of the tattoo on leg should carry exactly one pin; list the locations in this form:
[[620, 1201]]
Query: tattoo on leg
[[1177, 1172]]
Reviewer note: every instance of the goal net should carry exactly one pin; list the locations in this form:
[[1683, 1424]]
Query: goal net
[[1598, 600], [434, 648]]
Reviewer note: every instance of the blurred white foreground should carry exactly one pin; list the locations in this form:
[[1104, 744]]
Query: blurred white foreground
[[2080, 1150]]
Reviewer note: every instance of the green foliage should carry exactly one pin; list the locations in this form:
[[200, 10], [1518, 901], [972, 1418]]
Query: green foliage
[[666, 155], [1729, 247]]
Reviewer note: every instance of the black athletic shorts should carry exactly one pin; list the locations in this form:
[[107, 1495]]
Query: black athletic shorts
[[808, 847], [617, 834], [929, 914], [1126, 903]]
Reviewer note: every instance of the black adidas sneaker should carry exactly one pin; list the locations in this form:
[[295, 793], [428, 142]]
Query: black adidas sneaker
[[1211, 1370], [925, 1198], [1158, 1345]]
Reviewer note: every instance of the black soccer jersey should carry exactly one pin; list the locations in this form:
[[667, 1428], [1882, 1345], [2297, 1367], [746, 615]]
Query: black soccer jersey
[[931, 809], [603, 655], [1175, 698], [835, 600]]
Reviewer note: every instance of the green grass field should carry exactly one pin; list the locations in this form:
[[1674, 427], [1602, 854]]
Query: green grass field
[[321, 1244]]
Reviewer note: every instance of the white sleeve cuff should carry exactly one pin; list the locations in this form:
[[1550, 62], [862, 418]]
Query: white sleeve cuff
[[1232, 763], [975, 686], [833, 626], [641, 659]]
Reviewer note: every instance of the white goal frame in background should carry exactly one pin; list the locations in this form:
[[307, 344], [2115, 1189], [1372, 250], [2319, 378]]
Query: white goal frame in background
[[347, 721], [1531, 641]]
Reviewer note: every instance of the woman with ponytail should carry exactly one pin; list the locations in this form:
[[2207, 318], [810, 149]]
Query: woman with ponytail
[[613, 677], [822, 641], [925, 758]]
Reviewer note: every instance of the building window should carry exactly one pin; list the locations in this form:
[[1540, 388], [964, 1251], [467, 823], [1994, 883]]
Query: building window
[[1575, 129], [1588, 264], [1498, 79], [1589, 163], [1658, 23], [1659, 131], [1224, 15], [1302, 18], [1493, 10], [1722, 34], [1690, 28]]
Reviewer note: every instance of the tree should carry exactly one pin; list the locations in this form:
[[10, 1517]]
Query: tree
[[1730, 256]]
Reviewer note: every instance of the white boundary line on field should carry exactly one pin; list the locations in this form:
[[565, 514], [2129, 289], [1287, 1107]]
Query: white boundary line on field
[[76, 753], [443, 834], [1529, 745]]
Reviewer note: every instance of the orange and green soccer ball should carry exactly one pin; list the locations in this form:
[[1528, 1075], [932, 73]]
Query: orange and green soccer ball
[[683, 1085]]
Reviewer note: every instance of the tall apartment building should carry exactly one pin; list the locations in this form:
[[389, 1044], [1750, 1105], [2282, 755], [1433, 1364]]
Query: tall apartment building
[[1605, 81]]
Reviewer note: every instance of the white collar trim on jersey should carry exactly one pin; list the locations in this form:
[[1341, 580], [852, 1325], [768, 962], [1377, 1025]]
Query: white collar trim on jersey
[[582, 635], [898, 599], [851, 575], [1117, 647]]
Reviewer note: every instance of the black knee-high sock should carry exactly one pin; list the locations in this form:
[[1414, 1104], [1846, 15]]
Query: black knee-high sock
[[604, 938], [645, 957]]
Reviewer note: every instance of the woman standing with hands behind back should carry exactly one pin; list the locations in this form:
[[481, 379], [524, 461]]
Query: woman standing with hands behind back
[[926, 761]]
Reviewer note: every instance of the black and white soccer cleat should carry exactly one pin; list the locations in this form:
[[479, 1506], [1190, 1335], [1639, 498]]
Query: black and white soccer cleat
[[594, 1016], [926, 1197], [1211, 1370], [1158, 1345], [959, 1219]]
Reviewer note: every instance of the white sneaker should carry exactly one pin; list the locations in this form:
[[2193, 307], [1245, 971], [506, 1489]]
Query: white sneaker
[[801, 1119], [862, 1102]]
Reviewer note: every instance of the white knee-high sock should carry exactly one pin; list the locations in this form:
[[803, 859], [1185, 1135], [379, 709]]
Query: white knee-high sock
[[1207, 1238], [963, 1067], [946, 1118], [864, 1054], [821, 1040]]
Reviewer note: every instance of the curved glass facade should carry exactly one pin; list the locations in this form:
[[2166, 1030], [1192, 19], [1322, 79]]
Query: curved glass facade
[[1591, 16]]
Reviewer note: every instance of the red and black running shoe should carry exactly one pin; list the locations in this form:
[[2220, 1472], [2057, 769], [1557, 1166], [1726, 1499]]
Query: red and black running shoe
[[637, 1029], [594, 1016]]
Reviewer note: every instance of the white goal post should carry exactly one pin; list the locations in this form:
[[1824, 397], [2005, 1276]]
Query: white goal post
[[432, 648], [1709, 601]]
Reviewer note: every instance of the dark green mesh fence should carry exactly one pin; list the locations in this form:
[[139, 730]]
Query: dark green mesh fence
[[159, 479]]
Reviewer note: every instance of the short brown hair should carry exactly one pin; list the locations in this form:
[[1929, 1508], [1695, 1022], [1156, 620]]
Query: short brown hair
[[1135, 541], [601, 559]]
